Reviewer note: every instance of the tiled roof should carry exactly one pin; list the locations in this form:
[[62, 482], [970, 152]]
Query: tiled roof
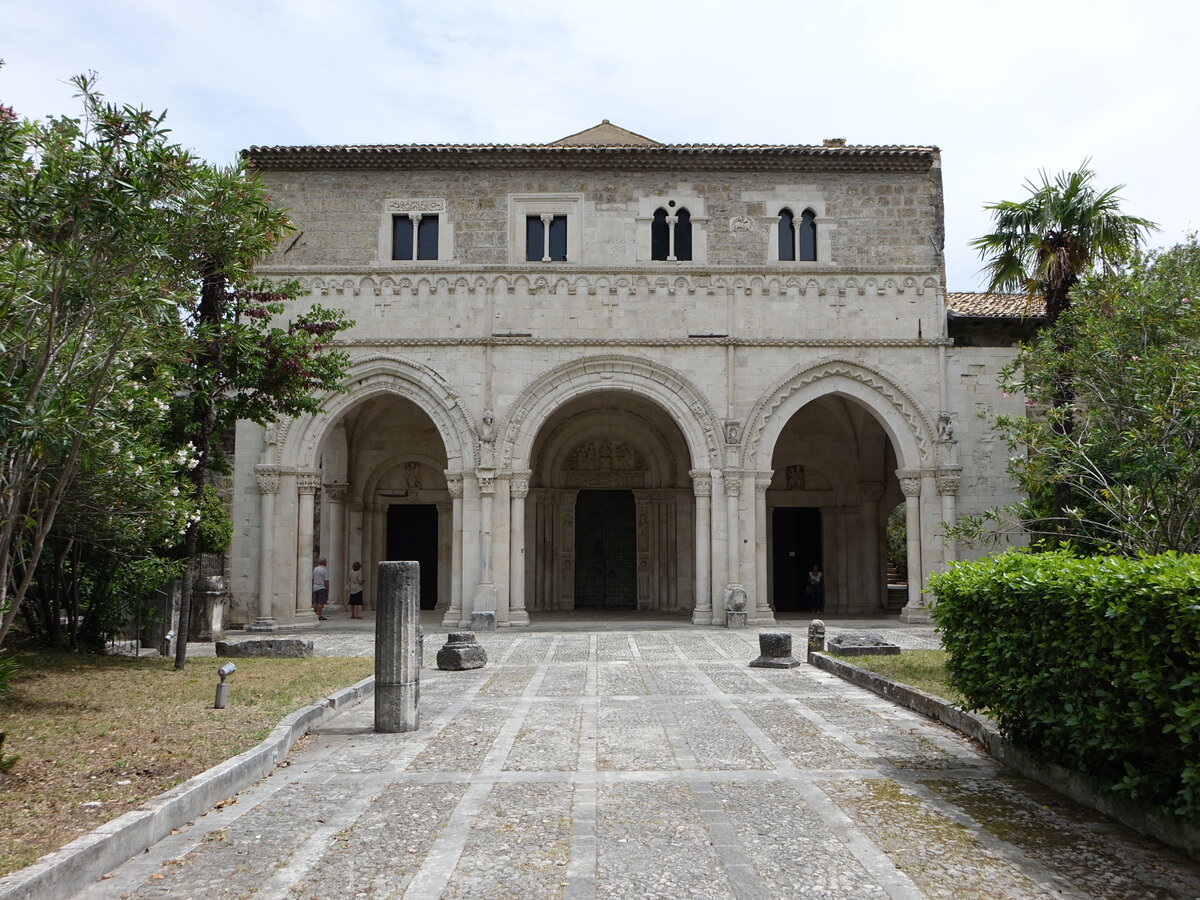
[[982, 305]]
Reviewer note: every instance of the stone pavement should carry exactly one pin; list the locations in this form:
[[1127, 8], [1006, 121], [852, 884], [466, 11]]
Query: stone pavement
[[625, 762]]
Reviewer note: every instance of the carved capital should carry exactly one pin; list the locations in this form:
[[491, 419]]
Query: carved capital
[[910, 482], [872, 491], [267, 478], [948, 478], [519, 486], [454, 484], [336, 492], [487, 482], [307, 482], [762, 481], [701, 482], [733, 482]]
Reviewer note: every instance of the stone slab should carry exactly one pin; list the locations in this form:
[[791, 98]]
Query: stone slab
[[290, 648], [861, 644]]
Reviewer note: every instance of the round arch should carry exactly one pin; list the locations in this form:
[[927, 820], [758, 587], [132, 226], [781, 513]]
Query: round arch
[[901, 418], [670, 390], [298, 440]]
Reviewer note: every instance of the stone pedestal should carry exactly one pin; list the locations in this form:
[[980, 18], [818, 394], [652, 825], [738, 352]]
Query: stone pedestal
[[208, 609], [483, 621], [775, 651], [398, 647], [461, 652], [736, 614], [816, 636]]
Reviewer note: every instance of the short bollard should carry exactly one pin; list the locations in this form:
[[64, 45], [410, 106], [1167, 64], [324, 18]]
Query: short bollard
[[398, 647], [222, 688], [816, 637], [461, 652], [775, 651]]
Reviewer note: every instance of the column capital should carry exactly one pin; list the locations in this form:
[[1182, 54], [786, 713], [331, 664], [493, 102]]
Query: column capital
[[733, 482], [454, 484], [519, 487], [910, 482], [308, 480], [336, 492], [701, 482], [948, 478], [487, 481], [267, 479]]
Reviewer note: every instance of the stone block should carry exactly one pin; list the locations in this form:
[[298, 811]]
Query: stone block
[[775, 651], [737, 619], [862, 644], [461, 652], [290, 648], [483, 621]]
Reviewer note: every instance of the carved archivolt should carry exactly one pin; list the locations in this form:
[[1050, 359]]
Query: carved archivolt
[[673, 392], [298, 440], [896, 400]]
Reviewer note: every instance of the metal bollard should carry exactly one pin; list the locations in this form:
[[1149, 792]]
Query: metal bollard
[[222, 688]]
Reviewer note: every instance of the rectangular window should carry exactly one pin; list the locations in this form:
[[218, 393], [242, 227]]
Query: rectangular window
[[422, 245], [541, 246]]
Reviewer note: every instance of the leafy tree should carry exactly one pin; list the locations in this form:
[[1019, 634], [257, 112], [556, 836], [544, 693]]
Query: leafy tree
[[235, 363], [1131, 345], [84, 283], [1042, 246]]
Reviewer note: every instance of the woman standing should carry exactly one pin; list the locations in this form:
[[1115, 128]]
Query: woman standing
[[356, 591]]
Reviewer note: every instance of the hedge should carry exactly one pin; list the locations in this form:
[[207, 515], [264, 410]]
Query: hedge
[[1092, 663]]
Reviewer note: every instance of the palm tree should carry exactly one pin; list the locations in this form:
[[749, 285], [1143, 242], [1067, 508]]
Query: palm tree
[[1042, 246]]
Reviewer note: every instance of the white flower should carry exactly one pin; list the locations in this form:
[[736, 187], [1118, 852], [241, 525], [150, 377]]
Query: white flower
[[116, 447], [174, 492]]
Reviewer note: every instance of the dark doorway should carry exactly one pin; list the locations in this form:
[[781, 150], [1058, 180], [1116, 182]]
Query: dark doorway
[[797, 545], [605, 550], [412, 533]]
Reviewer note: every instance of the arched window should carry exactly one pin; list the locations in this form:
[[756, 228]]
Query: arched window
[[671, 235], [787, 236], [660, 236], [807, 238]]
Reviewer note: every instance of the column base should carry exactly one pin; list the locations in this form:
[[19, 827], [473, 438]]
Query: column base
[[305, 617], [263, 623], [702, 616], [766, 617], [518, 617], [452, 618], [916, 615]]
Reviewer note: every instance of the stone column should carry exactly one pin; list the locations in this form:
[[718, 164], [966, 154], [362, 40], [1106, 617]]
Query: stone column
[[702, 489], [454, 615], [910, 484], [336, 552], [398, 647], [485, 593], [267, 478], [518, 491], [870, 493], [947, 484], [764, 614], [307, 482], [733, 540]]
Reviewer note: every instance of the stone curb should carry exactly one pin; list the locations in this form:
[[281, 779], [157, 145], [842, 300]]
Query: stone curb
[[1173, 832], [77, 864]]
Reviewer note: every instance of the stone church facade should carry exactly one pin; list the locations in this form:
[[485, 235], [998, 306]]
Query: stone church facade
[[613, 375]]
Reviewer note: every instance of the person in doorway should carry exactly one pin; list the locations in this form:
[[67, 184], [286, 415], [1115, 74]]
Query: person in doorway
[[816, 588], [320, 589], [355, 591]]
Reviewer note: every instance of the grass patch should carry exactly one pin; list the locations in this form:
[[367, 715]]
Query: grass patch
[[923, 669], [117, 731]]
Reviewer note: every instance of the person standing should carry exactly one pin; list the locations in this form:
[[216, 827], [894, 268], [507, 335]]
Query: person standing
[[355, 591], [320, 588], [816, 588]]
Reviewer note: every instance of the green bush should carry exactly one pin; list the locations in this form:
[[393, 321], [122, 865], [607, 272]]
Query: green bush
[[1092, 663]]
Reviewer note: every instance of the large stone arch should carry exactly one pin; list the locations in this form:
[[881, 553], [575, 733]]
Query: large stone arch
[[297, 441], [673, 392], [899, 415]]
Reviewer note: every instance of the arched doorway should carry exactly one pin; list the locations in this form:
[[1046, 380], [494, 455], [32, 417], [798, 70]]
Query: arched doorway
[[834, 482], [609, 519]]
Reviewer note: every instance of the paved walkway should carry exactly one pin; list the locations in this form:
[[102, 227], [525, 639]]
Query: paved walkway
[[635, 762]]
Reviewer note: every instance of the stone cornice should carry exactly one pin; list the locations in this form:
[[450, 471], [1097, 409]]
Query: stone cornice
[[680, 157], [528, 341]]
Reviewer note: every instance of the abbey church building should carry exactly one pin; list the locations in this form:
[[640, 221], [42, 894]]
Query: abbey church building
[[610, 374]]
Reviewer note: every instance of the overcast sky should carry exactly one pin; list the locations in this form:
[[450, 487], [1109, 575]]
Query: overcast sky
[[1005, 89]]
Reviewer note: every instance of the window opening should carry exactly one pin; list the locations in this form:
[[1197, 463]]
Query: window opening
[[787, 236], [797, 240], [808, 236], [671, 235], [546, 238], [415, 237]]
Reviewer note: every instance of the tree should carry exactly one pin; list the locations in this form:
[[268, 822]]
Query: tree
[[1042, 246], [235, 364], [1131, 344], [85, 280]]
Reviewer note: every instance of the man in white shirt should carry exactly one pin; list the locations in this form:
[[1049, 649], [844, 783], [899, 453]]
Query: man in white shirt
[[320, 589]]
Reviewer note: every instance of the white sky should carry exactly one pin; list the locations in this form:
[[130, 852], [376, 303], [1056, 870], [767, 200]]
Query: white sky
[[1005, 88]]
